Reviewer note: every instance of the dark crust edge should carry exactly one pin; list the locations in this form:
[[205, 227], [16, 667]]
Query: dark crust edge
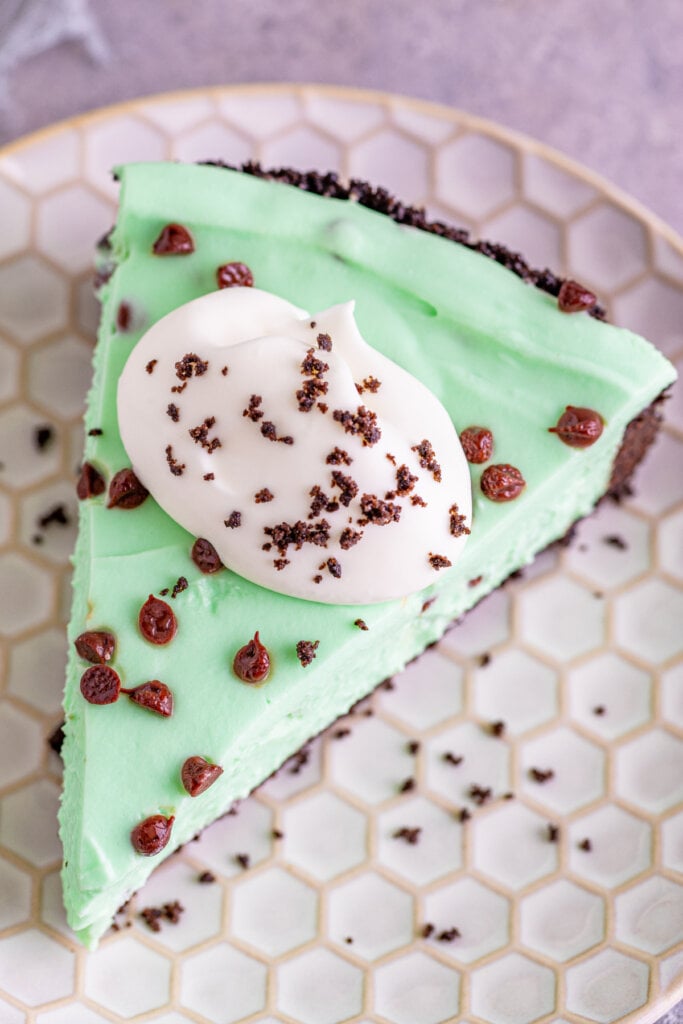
[[382, 201]]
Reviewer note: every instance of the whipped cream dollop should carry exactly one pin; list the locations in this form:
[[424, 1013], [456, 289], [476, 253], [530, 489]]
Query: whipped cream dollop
[[315, 466]]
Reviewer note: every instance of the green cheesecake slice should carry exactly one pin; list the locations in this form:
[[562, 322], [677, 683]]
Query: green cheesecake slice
[[488, 339]]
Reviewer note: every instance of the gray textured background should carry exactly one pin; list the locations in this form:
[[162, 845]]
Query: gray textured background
[[601, 80]]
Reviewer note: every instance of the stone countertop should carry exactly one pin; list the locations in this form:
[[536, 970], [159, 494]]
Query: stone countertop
[[600, 81]]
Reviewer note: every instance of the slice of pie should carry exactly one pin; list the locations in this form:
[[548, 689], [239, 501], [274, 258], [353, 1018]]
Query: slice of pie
[[309, 445]]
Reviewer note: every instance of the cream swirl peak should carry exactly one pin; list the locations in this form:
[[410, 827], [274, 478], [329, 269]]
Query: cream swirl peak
[[315, 466]]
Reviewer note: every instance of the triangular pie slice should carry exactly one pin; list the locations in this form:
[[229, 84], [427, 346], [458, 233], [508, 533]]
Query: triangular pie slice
[[489, 340]]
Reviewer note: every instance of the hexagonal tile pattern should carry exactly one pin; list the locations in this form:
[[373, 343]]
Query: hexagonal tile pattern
[[645, 620], [607, 986], [21, 466], [35, 969], [475, 174], [127, 977], [394, 159], [223, 984], [610, 548], [649, 771], [28, 823], [511, 846], [375, 914], [528, 231], [589, 702], [609, 695], [516, 689], [21, 744], [355, 761], [481, 915], [275, 912], [324, 835], [25, 597], [15, 895], [420, 698], [60, 375], [36, 671], [609, 247], [578, 770], [125, 141], [485, 762], [439, 850], [650, 915], [561, 618], [620, 846], [512, 990], [415, 987], [319, 988], [562, 921]]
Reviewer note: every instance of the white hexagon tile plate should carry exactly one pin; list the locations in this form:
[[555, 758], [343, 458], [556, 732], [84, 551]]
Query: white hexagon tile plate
[[558, 900]]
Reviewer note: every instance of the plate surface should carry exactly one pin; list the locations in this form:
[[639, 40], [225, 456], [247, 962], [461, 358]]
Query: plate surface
[[581, 657]]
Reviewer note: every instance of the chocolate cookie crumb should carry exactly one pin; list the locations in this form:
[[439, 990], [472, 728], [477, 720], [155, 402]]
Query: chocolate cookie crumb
[[340, 734], [306, 651], [178, 587], [615, 541], [42, 436], [233, 521], [484, 660], [200, 435], [57, 515], [464, 814], [224, 371], [277, 834], [206, 878], [409, 835], [457, 522], [361, 624], [427, 930], [334, 568], [541, 775], [428, 458], [369, 384], [586, 845], [176, 468], [95, 432], [448, 935], [173, 411], [599, 709], [243, 859], [439, 561], [209, 476], [253, 411], [451, 758], [348, 940], [480, 794], [378, 512], [150, 365], [324, 340], [338, 457], [362, 423], [427, 604], [173, 240], [553, 833], [349, 537], [497, 729], [413, 747], [475, 582], [407, 786], [299, 761], [191, 365]]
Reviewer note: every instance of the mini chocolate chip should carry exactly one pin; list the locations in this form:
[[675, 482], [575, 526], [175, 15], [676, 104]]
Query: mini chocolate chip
[[252, 662], [575, 298], [156, 621], [477, 444], [578, 427], [152, 834], [361, 624], [126, 491], [96, 646], [502, 482], [153, 695], [100, 684], [91, 483], [197, 775], [205, 556], [234, 274], [174, 240]]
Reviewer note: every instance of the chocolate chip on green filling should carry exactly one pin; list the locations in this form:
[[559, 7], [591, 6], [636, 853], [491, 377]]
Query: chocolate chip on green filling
[[126, 491], [156, 621], [100, 684], [232, 275], [151, 835], [251, 664], [574, 297], [91, 483], [578, 427], [502, 482], [205, 556], [179, 586], [96, 646], [197, 774], [477, 444], [361, 624], [306, 651], [154, 695], [173, 240]]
